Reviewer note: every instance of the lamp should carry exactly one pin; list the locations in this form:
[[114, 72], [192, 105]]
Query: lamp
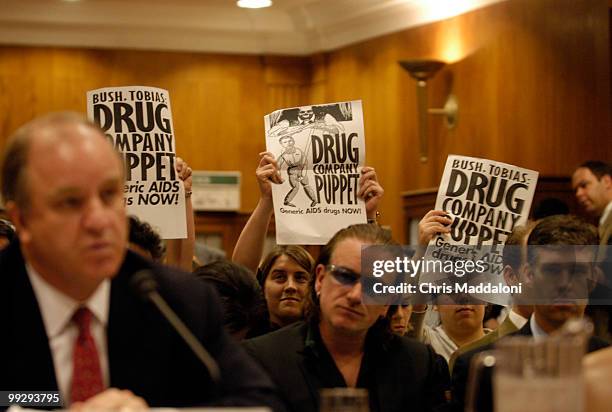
[[421, 71]]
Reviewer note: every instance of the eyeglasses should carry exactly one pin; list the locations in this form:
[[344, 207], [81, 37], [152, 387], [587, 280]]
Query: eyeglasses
[[342, 275]]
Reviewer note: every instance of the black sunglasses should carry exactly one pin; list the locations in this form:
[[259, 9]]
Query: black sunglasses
[[344, 276]]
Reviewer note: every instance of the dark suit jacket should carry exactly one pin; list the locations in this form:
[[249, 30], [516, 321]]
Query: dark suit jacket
[[505, 328], [485, 392], [403, 375], [145, 354]]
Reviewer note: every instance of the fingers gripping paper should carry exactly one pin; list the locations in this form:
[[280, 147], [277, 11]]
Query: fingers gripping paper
[[320, 151], [138, 121]]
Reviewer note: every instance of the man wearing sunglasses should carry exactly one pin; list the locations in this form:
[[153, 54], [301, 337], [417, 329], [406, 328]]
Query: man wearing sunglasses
[[346, 343]]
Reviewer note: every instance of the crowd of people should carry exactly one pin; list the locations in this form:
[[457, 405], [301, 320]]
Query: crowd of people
[[270, 329]]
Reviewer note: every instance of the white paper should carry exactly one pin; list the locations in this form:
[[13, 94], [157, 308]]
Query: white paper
[[138, 120], [486, 200], [320, 151]]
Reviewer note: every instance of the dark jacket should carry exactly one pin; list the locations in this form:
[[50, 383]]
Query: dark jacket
[[484, 395], [145, 354], [400, 373]]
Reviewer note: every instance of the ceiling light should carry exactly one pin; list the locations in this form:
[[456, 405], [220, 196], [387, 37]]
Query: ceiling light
[[254, 4]]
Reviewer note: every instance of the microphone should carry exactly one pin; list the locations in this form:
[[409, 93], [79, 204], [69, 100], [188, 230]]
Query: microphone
[[146, 286]]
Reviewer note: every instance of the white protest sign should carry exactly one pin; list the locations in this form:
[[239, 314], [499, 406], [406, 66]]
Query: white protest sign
[[486, 200], [320, 151], [138, 121]]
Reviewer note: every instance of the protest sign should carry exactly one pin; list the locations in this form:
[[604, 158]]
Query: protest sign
[[485, 200], [320, 151], [138, 121]]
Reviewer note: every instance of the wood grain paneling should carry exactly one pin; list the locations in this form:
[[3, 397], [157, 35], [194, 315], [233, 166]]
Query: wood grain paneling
[[532, 79]]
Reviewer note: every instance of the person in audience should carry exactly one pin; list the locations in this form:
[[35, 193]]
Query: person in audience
[[241, 296], [144, 240], [284, 275], [592, 183], [248, 250], [513, 255], [346, 343], [399, 319], [71, 319], [7, 233], [461, 322], [285, 272], [549, 268]]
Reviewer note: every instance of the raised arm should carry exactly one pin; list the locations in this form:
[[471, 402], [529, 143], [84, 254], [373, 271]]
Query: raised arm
[[370, 191], [249, 248], [180, 251]]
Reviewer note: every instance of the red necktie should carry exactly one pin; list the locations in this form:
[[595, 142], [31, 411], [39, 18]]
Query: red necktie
[[86, 371]]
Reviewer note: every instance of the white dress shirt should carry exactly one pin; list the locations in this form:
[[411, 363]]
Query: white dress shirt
[[536, 330], [605, 213], [517, 320], [57, 310]]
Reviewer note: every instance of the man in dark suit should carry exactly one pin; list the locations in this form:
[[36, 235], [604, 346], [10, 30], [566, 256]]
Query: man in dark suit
[[69, 317], [559, 269], [346, 343]]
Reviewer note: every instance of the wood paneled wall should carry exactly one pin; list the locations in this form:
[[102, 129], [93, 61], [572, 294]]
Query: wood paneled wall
[[532, 78]]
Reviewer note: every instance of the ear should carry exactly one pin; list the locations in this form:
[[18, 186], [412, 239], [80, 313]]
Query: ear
[[18, 218], [527, 273], [607, 181], [510, 276], [319, 275]]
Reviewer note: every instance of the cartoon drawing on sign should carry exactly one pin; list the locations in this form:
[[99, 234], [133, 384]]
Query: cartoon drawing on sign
[[293, 121], [296, 162]]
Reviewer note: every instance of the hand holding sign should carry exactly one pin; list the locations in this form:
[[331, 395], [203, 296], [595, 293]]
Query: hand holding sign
[[370, 190], [184, 173], [267, 173], [433, 223]]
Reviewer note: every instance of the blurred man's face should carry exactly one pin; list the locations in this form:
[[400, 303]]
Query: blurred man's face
[[591, 192], [341, 298], [74, 232], [561, 279]]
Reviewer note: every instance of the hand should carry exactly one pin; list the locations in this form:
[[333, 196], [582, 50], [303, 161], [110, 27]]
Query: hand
[[184, 173], [370, 190], [111, 400], [435, 221], [267, 172]]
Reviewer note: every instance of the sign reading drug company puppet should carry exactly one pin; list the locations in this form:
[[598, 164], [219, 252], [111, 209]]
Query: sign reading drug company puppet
[[138, 122], [320, 151], [486, 200]]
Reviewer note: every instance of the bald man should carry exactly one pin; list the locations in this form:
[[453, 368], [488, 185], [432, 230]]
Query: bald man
[[70, 320]]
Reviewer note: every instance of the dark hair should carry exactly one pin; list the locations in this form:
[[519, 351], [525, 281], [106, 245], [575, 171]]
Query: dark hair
[[561, 230], [296, 253], [7, 230], [550, 206], [512, 256], [370, 233], [597, 167], [15, 159], [241, 296], [143, 235]]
